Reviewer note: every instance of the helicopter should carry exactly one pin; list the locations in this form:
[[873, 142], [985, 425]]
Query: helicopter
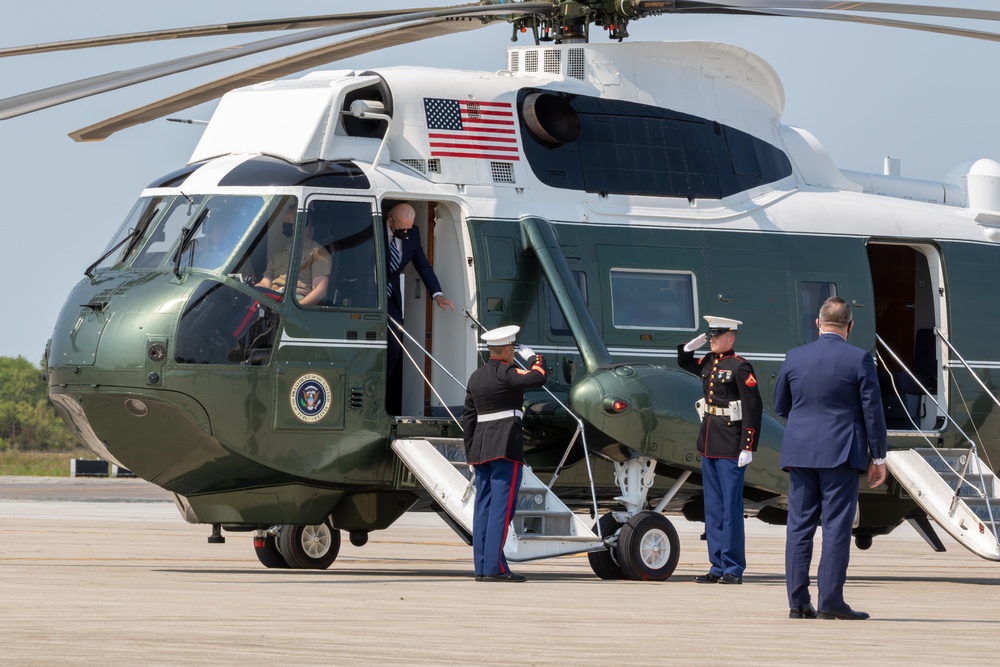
[[611, 209]]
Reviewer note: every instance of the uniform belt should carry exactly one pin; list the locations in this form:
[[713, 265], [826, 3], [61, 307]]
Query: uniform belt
[[493, 416], [717, 411]]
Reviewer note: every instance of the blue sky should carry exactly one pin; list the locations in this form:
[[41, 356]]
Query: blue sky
[[865, 92]]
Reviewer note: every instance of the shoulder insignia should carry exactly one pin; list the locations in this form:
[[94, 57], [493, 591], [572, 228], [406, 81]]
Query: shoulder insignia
[[751, 381]]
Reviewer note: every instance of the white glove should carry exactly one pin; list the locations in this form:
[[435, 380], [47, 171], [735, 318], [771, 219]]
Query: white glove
[[527, 355], [745, 458], [695, 343]]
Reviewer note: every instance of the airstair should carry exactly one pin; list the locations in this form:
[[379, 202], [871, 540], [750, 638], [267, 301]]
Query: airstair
[[956, 489], [543, 526], [953, 486]]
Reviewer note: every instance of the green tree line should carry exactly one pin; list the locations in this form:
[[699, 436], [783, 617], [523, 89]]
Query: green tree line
[[28, 420]]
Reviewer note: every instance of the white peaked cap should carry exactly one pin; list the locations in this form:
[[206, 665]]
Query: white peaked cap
[[723, 324], [501, 335]]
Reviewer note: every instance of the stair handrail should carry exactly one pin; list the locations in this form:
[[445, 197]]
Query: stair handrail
[[967, 366], [973, 450], [580, 432], [421, 371]]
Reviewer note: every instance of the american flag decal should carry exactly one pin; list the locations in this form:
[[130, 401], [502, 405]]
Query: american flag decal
[[471, 129]]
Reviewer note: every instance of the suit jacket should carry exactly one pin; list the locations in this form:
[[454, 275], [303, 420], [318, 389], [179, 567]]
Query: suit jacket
[[830, 394], [497, 387], [412, 251]]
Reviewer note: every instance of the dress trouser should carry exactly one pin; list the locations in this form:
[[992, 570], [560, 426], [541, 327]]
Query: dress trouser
[[722, 483], [394, 370], [830, 494], [497, 483]]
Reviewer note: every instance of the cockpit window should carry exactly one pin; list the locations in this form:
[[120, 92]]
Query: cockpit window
[[182, 212], [139, 218], [228, 219]]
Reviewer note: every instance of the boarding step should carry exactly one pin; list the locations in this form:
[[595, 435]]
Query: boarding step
[[931, 477], [543, 526]]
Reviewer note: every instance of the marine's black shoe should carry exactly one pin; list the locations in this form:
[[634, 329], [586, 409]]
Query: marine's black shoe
[[707, 578], [506, 576], [730, 579]]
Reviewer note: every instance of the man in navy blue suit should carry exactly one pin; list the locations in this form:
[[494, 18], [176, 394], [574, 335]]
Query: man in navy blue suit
[[403, 246], [830, 394]]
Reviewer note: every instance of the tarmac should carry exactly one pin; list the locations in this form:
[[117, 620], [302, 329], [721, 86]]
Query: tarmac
[[105, 571]]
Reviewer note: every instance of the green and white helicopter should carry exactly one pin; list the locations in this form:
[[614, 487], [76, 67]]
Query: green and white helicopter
[[604, 195]]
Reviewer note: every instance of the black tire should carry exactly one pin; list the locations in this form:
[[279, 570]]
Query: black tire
[[605, 563], [309, 547], [268, 554], [648, 547]]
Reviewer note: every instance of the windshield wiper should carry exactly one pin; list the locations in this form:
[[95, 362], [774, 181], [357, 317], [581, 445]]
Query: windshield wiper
[[186, 234], [134, 235]]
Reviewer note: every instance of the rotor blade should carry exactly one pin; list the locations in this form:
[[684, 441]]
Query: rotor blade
[[267, 72], [49, 97], [871, 7], [873, 20], [264, 25]]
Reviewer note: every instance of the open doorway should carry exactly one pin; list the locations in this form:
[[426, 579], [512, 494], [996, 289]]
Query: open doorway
[[442, 333], [909, 305]]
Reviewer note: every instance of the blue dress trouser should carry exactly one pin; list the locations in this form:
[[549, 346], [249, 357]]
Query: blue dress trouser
[[722, 483], [497, 484], [830, 494]]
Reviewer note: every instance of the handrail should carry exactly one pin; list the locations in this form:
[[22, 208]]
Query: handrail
[[973, 450], [967, 366], [580, 431]]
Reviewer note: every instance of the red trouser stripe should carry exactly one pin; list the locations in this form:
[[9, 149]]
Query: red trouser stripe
[[511, 504]]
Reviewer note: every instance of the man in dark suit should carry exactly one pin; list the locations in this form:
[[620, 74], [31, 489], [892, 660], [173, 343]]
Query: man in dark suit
[[830, 394], [403, 246], [494, 446]]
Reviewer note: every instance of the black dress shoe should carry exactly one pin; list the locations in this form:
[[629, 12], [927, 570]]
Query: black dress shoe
[[506, 576], [707, 578], [847, 614], [730, 579], [479, 577], [802, 611]]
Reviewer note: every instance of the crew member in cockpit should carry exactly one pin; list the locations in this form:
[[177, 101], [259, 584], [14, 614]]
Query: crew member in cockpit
[[731, 413], [314, 269]]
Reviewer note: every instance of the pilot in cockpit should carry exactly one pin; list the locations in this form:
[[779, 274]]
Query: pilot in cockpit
[[314, 269]]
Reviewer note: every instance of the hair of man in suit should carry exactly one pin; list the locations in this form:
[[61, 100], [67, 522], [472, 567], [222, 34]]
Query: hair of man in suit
[[835, 312]]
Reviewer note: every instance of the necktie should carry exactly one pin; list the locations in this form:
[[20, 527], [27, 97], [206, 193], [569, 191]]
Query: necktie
[[394, 257]]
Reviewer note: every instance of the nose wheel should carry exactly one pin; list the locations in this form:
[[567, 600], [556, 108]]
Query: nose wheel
[[299, 547], [606, 564]]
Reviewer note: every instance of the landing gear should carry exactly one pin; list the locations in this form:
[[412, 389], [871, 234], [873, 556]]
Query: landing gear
[[605, 564], [648, 547], [309, 547], [298, 547], [266, 547]]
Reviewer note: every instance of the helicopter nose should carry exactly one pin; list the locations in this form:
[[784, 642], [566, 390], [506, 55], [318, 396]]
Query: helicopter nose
[[638, 405]]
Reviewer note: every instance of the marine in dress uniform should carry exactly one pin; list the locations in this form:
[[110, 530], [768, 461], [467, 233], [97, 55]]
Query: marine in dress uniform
[[730, 428], [494, 446]]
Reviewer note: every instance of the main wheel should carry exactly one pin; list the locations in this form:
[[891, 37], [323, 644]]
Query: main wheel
[[309, 547], [267, 552], [605, 563], [648, 547]]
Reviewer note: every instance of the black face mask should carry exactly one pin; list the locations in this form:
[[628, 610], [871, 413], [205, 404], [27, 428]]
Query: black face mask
[[401, 234], [286, 229]]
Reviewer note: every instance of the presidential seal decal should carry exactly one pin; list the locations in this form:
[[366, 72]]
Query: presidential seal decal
[[310, 398]]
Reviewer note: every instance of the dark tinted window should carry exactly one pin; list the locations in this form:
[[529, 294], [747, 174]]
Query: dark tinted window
[[652, 299], [629, 148], [221, 325]]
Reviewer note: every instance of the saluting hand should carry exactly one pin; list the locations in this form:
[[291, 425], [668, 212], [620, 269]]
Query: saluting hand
[[876, 475]]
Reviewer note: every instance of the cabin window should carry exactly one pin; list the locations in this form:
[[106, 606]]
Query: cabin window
[[269, 238], [811, 297], [652, 299], [338, 238], [557, 323]]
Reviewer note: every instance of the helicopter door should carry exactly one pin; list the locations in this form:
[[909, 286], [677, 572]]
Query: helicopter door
[[442, 333], [906, 281], [331, 347]]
